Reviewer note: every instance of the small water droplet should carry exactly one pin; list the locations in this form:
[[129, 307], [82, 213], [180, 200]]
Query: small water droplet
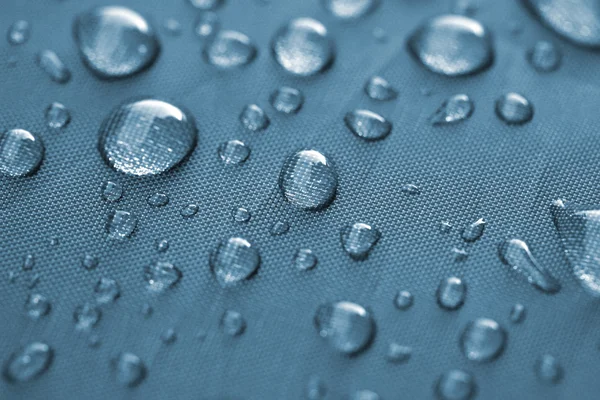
[[347, 327], [241, 215], [112, 191], [120, 224], [380, 89], [233, 323], [53, 66], [445, 226], [409, 188], [129, 369], [349, 9], [364, 395], [459, 255], [158, 200], [29, 362], [367, 125], [287, 100], [305, 259], [548, 369], [89, 262], [28, 262], [474, 231], [169, 336], [206, 4], [397, 353], [455, 385], [465, 7], [37, 306], [380, 35], [455, 109], [229, 49], [403, 300], [147, 310], [483, 340], [33, 281], [207, 25], [172, 26], [162, 276], [279, 228], [19, 32], [544, 56], [86, 316], [451, 293], [107, 290], [57, 116], [517, 313], [94, 341], [254, 118], [315, 388], [21, 152], [514, 109], [233, 152], [190, 210], [162, 245], [54, 241], [12, 276], [358, 240], [233, 261]]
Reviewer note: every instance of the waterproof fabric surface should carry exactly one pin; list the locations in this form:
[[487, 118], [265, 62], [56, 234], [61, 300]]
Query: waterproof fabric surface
[[481, 168]]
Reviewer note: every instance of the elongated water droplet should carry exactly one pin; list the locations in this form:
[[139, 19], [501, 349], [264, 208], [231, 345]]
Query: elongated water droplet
[[287, 100], [514, 109], [451, 293], [516, 254], [169, 336], [380, 89], [57, 116], [303, 47], [358, 240], [241, 215], [315, 388], [347, 327], [19, 32], [233, 152], [28, 262], [89, 262], [473, 231], [548, 369], [305, 259], [544, 56], [28, 363], [233, 261], [452, 45], [364, 395], [94, 341], [162, 245], [206, 4], [162, 276], [207, 25], [147, 137], [53, 66], [37, 306], [229, 49], [86, 316], [115, 42], [279, 228], [107, 290], [21, 152], [517, 313], [483, 340], [459, 255], [367, 125], [254, 118], [455, 109], [455, 385], [120, 225], [349, 9], [112, 191], [189, 211], [397, 353], [233, 323], [409, 188], [129, 369], [445, 226], [158, 200]]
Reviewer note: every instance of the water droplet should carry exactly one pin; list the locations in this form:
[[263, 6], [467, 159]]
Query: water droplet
[[515, 253], [12, 276], [94, 341], [147, 137], [445, 226], [349, 9], [254, 118], [37, 306], [367, 125], [409, 188], [455, 385], [162, 245], [397, 353], [233, 323], [514, 109], [53, 66], [107, 290], [33, 281], [308, 180], [21, 152], [287, 100], [315, 388], [465, 7], [54, 241], [86, 316], [158, 200], [303, 47], [451, 293], [120, 224], [403, 300], [474, 231], [358, 240], [129, 369], [577, 21], [207, 25], [544, 56], [229, 49], [548, 369], [57, 116], [19, 32], [112, 191], [517, 313], [147, 310], [305, 259], [452, 45], [169, 336], [380, 35], [459, 255], [28, 262], [483, 340], [365, 395], [115, 42], [279, 228], [162, 276], [206, 4], [172, 27], [28, 362], [234, 152], [455, 109], [89, 262], [347, 327], [233, 261], [378, 88], [190, 210], [241, 215]]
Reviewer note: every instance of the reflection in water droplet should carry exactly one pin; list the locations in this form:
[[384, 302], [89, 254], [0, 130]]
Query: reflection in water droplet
[[455, 109], [229, 49], [21, 152], [452, 45], [367, 125], [378, 88], [107, 290], [207, 25], [548, 369], [455, 385], [287, 100], [233, 323], [303, 47], [189, 211], [473, 231], [409, 188], [112, 191], [305, 259], [241, 215], [115, 42], [29, 362], [57, 116], [169, 336], [279, 228], [19, 32], [233, 261], [403, 300], [349, 9], [308, 180], [158, 200], [514, 109], [172, 27], [544, 56], [146, 137], [451, 293], [162, 276], [37, 306], [358, 240], [162, 245], [397, 353], [206, 4], [86, 316], [365, 395], [53, 66], [483, 340], [254, 118], [233, 152], [515, 253], [517, 313], [120, 225], [28, 262], [347, 327], [129, 369], [315, 388]]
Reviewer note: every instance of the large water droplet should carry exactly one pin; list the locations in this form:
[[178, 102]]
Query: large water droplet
[[37, 306], [57, 116], [455, 109], [112, 191], [21, 152], [53, 66], [347, 327], [514, 109], [474, 231], [107, 290], [516, 254], [234, 152], [86, 316], [452, 45], [28, 362], [233, 323], [349, 9], [303, 47], [229, 49], [544, 56], [233, 261], [162, 276], [358, 240], [451, 293], [120, 224], [455, 385], [548, 369], [483, 340], [287, 100], [206, 4], [367, 125], [380, 89], [147, 137], [308, 180], [115, 42], [305, 259], [397, 353], [18, 32], [207, 25], [129, 369], [403, 300]]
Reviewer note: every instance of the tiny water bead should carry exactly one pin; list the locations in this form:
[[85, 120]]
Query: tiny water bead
[[473, 231], [158, 200], [364, 395], [33, 281], [120, 225], [112, 191], [89, 262], [455, 109], [377, 88], [279, 228], [241, 215], [169, 336], [146, 137], [514, 109], [94, 341], [409, 188], [107, 290], [206, 4], [53, 66], [459, 255], [516, 254], [287, 100], [233, 152], [483, 340], [229, 49], [233, 261], [517, 313], [404, 300], [465, 7], [18, 32], [548, 369], [305, 259], [452, 45], [367, 125], [28, 363], [207, 25], [37, 306], [233, 323], [303, 47], [21, 152], [190, 210], [172, 26], [397, 353], [445, 226], [129, 369], [86, 316], [115, 42], [254, 118], [455, 385], [315, 388], [147, 310], [57, 116], [451, 293], [162, 245], [349, 9], [161, 276], [308, 180], [359, 239], [544, 56], [28, 262], [347, 327]]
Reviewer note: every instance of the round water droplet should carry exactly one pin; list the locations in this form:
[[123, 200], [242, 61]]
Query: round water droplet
[[455, 109], [234, 152], [207, 25], [233, 323], [120, 225], [28, 362], [358, 240], [241, 215], [409, 188], [19, 32], [147, 137], [308, 180], [28, 262], [548, 369], [483, 340], [254, 118], [455, 385], [287, 100], [162, 276], [403, 300], [349, 9], [21, 152], [107, 290], [229, 49], [452, 45], [206, 4], [112, 191], [190, 210], [233, 261], [347, 327], [37, 306], [365, 395], [544, 56], [57, 116], [315, 388], [380, 89], [158, 200], [86, 316], [89, 262], [129, 369], [279, 228], [305, 259], [115, 42], [451, 293], [94, 341], [367, 125], [172, 27], [303, 47], [397, 353], [514, 109], [162, 245], [169, 336], [474, 231], [53, 66]]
